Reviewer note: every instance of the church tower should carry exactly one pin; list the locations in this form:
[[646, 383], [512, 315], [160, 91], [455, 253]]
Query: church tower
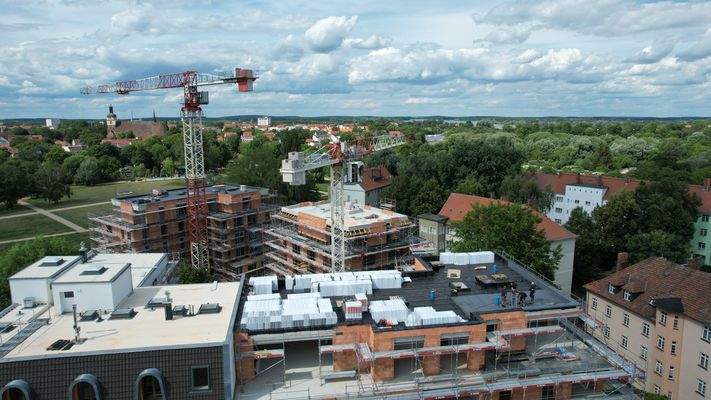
[[111, 123]]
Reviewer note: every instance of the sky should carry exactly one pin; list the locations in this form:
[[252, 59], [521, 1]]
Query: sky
[[366, 57]]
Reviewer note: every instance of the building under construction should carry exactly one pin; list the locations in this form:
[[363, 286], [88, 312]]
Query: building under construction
[[157, 222], [299, 238], [475, 326]]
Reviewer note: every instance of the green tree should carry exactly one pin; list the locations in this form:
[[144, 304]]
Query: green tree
[[52, 182], [88, 173], [524, 190], [188, 274], [20, 255], [512, 228], [56, 154], [589, 262], [14, 182], [167, 167]]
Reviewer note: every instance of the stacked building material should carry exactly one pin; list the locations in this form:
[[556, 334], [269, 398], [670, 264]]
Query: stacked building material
[[264, 284], [393, 311], [353, 310], [422, 316]]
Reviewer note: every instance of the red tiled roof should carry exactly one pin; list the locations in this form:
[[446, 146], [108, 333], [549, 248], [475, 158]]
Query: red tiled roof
[[141, 129], [458, 205], [659, 278], [614, 186], [375, 178]]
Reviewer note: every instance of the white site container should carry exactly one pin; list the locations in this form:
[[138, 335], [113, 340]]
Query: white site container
[[461, 258], [446, 257]]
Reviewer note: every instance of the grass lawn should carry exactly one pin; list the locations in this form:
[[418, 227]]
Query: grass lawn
[[28, 226], [79, 215], [74, 239], [107, 191], [18, 209]]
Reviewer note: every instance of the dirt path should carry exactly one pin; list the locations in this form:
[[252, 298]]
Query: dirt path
[[55, 217], [54, 210]]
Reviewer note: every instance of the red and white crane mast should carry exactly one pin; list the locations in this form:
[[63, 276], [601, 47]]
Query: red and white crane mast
[[191, 117]]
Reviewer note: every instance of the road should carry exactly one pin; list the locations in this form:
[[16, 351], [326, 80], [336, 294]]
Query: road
[[55, 217]]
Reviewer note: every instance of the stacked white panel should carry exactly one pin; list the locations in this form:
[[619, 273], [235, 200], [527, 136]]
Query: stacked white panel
[[461, 258], [446, 257], [345, 288], [363, 300], [482, 257], [264, 284], [390, 310], [353, 310]]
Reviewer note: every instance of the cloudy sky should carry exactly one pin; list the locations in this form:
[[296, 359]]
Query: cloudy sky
[[366, 57]]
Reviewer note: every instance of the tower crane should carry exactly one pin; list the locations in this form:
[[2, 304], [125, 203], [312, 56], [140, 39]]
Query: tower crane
[[339, 157], [191, 118]]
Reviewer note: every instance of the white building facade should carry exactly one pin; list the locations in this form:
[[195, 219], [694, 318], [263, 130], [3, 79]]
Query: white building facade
[[588, 197]]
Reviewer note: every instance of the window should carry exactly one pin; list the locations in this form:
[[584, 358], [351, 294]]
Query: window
[[676, 322], [703, 232], [594, 303], [558, 221], [548, 393], [625, 342], [626, 319], [68, 295], [558, 210], [660, 343], [705, 218], [606, 331], [706, 336], [608, 311], [611, 288], [643, 352], [201, 378], [702, 245], [672, 348], [671, 373], [577, 201], [657, 389], [587, 203], [645, 329], [658, 367], [700, 387], [663, 318], [704, 361], [628, 296]]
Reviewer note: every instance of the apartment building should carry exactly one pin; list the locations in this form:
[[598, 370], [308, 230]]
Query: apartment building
[[656, 314], [157, 222], [436, 330], [458, 205], [591, 191], [299, 238], [365, 185]]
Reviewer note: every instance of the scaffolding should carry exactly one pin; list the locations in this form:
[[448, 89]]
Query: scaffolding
[[303, 248]]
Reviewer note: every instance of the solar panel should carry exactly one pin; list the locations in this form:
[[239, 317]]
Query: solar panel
[[23, 334], [123, 313], [209, 308]]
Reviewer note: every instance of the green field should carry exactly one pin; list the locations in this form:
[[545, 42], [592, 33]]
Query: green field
[[18, 209], [74, 239], [94, 194], [79, 215], [29, 226]]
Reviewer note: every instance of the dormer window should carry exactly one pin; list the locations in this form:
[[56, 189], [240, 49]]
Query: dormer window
[[628, 296], [611, 288]]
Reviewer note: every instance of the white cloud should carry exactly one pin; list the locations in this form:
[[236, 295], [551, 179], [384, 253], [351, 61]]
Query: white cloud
[[700, 49], [652, 53], [507, 35], [328, 34], [370, 43]]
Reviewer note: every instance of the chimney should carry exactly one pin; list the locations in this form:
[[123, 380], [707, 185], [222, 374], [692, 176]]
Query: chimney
[[707, 184], [623, 261], [694, 263], [83, 252]]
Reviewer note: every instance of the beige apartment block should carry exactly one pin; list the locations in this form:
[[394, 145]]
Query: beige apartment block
[[657, 314]]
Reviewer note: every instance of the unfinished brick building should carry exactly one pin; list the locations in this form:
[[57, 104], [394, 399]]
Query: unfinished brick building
[[156, 222], [299, 238], [434, 331]]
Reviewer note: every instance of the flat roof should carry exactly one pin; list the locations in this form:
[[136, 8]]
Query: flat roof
[[141, 263], [181, 193], [357, 216], [147, 330], [46, 267], [93, 272]]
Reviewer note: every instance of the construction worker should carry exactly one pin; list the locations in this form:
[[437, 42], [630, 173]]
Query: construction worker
[[532, 292], [503, 297], [522, 298]]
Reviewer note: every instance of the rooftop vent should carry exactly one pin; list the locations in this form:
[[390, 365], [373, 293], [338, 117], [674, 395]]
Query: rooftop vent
[[180, 309], [94, 270], [51, 261], [209, 308], [89, 315], [157, 302], [123, 313], [61, 344]]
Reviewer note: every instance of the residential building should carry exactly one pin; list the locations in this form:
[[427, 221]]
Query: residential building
[[433, 228], [264, 122], [656, 314], [458, 205], [433, 330], [300, 238], [106, 340], [590, 191], [365, 185], [52, 123], [157, 222]]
